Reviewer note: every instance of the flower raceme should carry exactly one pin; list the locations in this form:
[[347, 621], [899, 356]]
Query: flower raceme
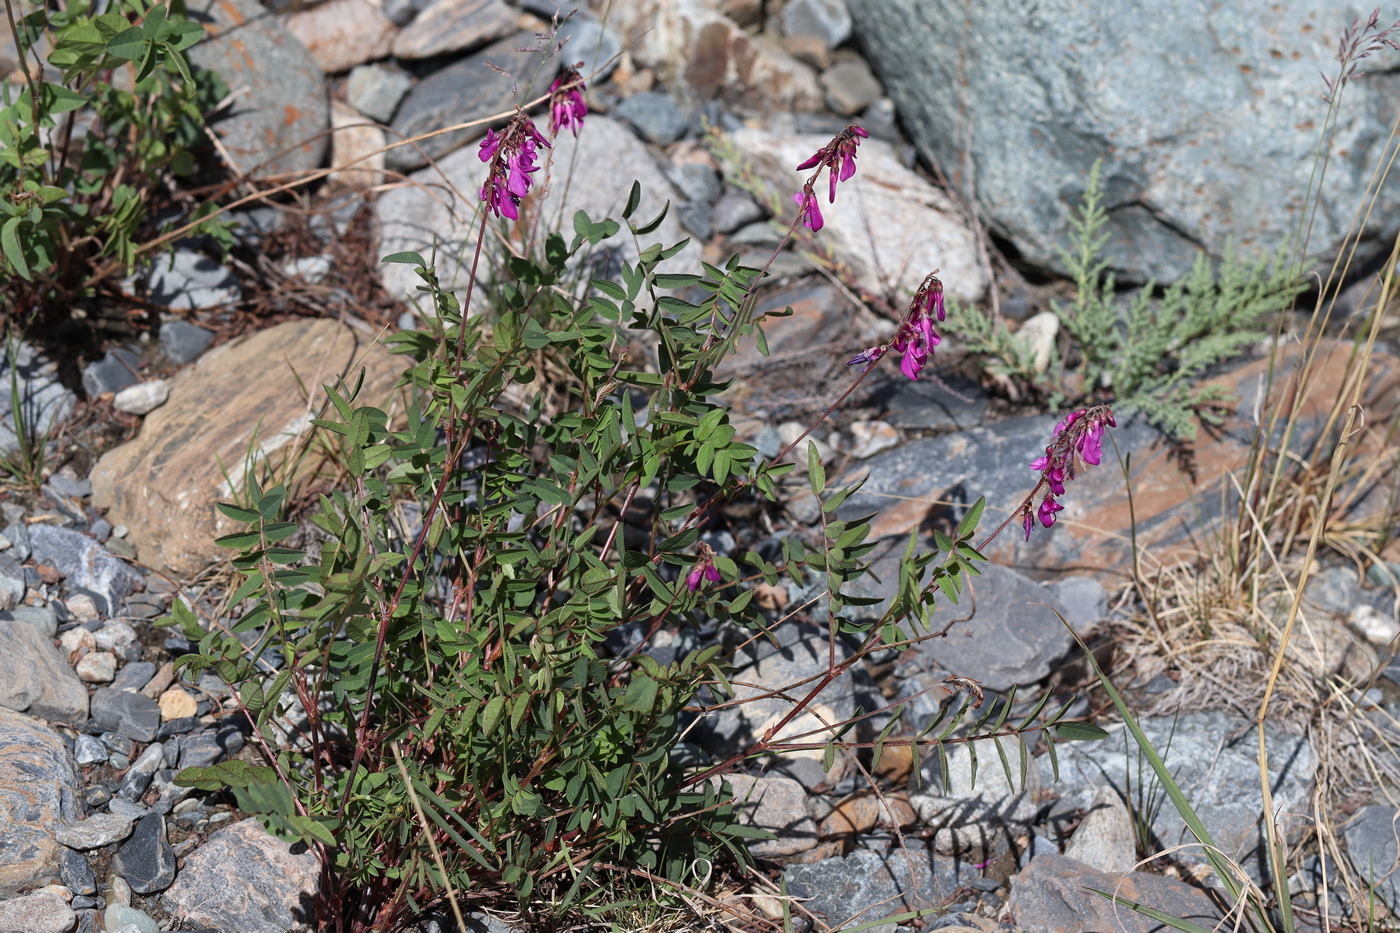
[[511, 153], [839, 159], [916, 337], [1079, 437], [566, 106]]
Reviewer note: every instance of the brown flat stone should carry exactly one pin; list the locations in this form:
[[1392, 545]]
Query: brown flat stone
[[164, 484]]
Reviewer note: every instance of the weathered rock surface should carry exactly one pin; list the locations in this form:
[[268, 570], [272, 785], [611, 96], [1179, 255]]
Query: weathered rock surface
[[888, 225], [243, 879], [40, 789], [1183, 104], [278, 122], [867, 886], [778, 805], [341, 34], [35, 679], [164, 484], [1214, 758], [454, 26], [1055, 894]]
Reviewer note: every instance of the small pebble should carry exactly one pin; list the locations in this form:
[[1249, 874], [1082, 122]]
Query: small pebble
[[75, 640], [83, 607], [88, 751], [175, 703], [96, 831], [96, 667], [142, 398], [1372, 626]]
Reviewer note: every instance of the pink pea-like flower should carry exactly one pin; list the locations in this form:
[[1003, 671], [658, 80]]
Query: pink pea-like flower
[[1078, 437], [511, 153], [838, 157], [566, 106], [704, 569]]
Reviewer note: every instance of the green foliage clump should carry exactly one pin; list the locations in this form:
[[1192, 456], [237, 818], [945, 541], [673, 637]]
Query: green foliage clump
[[1149, 359], [83, 159]]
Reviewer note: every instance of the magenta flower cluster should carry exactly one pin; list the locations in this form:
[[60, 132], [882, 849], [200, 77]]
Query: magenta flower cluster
[[512, 154], [566, 106], [1079, 437], [916, 337], [704, 569], [839, 159]]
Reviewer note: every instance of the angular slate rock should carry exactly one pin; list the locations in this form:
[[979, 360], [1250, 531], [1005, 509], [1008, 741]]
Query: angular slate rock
[[98, 830], [278, 124], [1007, 635], [867, 886], [1214, 757], [210, 746], [40, 788], [1055, 894], [243, 879], [1372, 850], [85, 564], [146, 860], [129, 714], [35, 679], [463, 91]]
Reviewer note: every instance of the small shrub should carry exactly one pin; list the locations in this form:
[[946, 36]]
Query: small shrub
[[83, 159]]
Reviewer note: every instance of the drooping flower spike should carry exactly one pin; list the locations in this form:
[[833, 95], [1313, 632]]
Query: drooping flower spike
[[511, 153], [566, 106], [704, 569], [838, 157], [1079, 437], [916, 337]]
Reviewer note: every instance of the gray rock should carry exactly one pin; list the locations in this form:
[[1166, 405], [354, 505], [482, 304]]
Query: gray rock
[[185, 280], [243, 879], [733, 210], [86, 564], [44, 402], [35, 679], [118, 368], [138, 776], [146, 860], [1012, 638], [778, 805], [130, 714], [787, 670], [867, 886], [827, 20], [1372, 850], [695, 218], [593, 44], [182, 342], [278, 122], [464, 91], [850, 87], [376, 89], [1055, 894], [70, 486], [12, 583], [931, 405], [1104, 840], [88, 751], [445, 26], [1084, 599], [696, 181], [209, 747], [98, 830], [134, 676], [122, 916], [17, 533], [40, 788], [1181, 144], [977, 816], [40, 912], [1214, 758], [141, 399], [1335, 589], [124, 807], [75, 872], [655, 116]]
